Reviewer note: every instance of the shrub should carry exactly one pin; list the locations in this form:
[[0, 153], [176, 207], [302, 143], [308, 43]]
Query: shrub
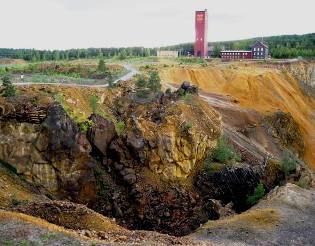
[[181, 92], [289, 162], [185, 128], [259, 192], [143, 93], [168, 91], [187, 97], [59, 98], [225, 152], [304, 182], [120, 128], [85, 125], [9, 88], [141, 82], [94, 103]]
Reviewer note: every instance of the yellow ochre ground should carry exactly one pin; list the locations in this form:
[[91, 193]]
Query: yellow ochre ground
[[263, 89]]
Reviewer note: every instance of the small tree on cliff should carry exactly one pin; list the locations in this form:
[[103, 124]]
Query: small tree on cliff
[[9, 88], [94, 104], [141, 84], [154, 83]]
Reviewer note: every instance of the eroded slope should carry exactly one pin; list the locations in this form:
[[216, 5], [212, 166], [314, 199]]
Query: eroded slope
[[261, 89]]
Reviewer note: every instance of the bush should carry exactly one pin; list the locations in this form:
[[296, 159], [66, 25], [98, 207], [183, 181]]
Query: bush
[[120, 128], [304, 182], [181, 92], [186, 127], [259, 193], [85, 126], [289, 162], [9, 88], [187, 97], [225, 152], [94, 103], [141, 82], [168, 91]]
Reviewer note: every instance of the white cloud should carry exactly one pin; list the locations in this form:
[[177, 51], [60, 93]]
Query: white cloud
[[60, 24]]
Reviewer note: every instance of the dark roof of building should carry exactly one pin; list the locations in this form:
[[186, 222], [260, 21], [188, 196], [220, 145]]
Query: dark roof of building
[[223, 51], [259, 43]]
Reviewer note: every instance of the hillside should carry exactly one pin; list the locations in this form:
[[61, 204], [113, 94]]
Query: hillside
[[134, 164], [262, 89]]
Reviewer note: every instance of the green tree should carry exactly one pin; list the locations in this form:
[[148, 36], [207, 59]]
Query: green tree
[[216, 51], [9, 88], [110, 80], [122, 55], [94, 103], [154, 82], [101, 66], [141, 82]]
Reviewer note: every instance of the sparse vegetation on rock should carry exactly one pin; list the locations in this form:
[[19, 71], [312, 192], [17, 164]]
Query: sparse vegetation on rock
[[225, 152], [289, 162]]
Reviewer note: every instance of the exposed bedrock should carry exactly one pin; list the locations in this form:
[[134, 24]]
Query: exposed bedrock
[[149, 174], [53, 154]]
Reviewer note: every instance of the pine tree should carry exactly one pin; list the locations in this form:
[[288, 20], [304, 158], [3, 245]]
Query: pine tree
[[9, 88], [154, 83], [101, 66]]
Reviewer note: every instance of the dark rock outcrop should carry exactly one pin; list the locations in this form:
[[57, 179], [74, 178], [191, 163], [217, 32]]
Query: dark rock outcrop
[[187, 88], [53, 154], [229, 185], [101, 133]]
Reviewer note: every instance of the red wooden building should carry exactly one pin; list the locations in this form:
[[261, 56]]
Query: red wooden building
[[227, 55]]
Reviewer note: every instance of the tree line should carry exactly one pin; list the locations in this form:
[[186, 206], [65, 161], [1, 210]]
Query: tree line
[[285, 46], [55, 55]]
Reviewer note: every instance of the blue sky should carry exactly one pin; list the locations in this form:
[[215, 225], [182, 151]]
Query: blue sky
[[63, 24]]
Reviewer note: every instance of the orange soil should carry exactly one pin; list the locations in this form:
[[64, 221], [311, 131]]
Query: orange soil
[[265, 90]]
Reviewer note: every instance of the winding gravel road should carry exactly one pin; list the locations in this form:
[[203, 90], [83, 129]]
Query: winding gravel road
[[132, 71]]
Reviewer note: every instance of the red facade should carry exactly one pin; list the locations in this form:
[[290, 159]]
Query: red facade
[[201, 42], [227, 55]]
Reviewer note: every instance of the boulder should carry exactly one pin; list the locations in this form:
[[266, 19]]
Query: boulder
[[191, 89], [101, 133]]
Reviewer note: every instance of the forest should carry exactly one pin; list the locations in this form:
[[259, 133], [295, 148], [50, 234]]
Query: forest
[[285, 46]]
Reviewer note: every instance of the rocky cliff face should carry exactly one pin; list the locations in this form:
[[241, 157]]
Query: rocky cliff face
[[161, 148], [45, 146], [143, 166]]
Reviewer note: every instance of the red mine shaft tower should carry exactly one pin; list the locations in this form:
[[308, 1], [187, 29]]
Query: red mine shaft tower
[[201, 42]]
